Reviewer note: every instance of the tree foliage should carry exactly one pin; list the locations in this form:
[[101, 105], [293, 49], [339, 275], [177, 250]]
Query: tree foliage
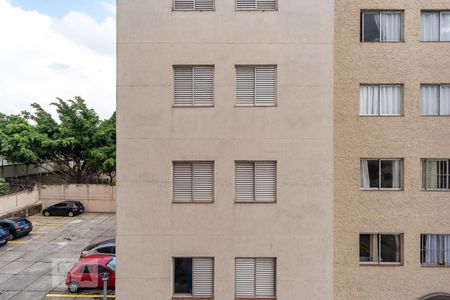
[[78, 145], [4, 187]]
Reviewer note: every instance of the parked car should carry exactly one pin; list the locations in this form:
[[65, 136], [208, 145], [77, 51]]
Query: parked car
[[16, 227], [65, 208], [4, 236], [87, 273], [107, 247]]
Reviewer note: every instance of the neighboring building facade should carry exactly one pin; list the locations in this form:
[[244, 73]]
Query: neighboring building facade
[[225, 149], [392, 100]]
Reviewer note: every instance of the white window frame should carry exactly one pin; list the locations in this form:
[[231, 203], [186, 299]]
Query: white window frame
[[256, 7], [194, 7], [379, 86], [441, 263], [177, 295], [439, 27], [439, 86], [402, 13], [424, 174], [378, 254], [193, 200], [193, 104], [379, 174], [255, 200]]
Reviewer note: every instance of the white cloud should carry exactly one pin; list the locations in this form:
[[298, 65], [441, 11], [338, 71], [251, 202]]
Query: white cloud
[[111, 8], [42, 58]]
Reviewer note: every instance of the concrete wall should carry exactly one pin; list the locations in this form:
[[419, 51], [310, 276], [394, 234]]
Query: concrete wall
[[95, 197], [411, 136], [298, 134], [17, 201]]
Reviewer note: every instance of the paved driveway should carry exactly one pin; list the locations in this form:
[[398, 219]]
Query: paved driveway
[[34, 267]]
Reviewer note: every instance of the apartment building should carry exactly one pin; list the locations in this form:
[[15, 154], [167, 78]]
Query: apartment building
[[392, 151], [225, 149]]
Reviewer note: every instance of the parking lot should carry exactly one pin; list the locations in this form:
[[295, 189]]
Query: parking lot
[[35, 266]]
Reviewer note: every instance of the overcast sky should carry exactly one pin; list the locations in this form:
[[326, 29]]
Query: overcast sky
[[57, 48]]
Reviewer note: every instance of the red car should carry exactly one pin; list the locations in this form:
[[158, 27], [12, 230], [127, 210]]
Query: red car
[[87, 273]]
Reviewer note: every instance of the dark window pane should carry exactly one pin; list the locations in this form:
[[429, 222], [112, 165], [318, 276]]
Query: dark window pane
[[374, 175], [364, 247], [371, 27], [106, 250], [102, 270], [386, 174], [390, 248], [183, 276]]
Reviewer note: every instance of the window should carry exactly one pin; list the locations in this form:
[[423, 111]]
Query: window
[[435, 249], [87, 269], [380, 248], [435, 174], [193, 4], [256, 4], [256, 85], [435, 26], [107, 250], [256, 181], [102, 270], [194, 276], [255, 277], [381, 173], [435, 100], [381, 26], [380, 100], [193, 181], [194, 86]]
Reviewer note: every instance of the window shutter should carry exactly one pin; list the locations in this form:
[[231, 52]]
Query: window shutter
[[202, 277], [182, 182], [183, 4], [265, 277], [245, 4], [203, 85], [183, 86], [245, 86], [267, 5], [245, 181], [204, 4], [265, 181], [203, 181], [265, 85], [245, 277]]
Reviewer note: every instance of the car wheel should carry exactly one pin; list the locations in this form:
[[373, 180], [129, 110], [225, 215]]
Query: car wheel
[[70, 214], [73, 287], [11, 236], [47, 214]]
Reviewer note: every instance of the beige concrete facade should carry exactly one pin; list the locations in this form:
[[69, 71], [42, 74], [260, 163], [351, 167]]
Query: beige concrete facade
[[297, 133], [412, 137]]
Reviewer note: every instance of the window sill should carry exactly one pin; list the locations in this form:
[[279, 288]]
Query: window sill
[[191, 298], [381, 264], [435, 190], [192, 106], [381, 116], [382, 42], [192, 202], [255, 298], [380, 190], [255, 202]]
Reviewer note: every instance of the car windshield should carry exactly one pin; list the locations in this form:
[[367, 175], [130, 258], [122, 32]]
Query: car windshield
[[112, 263], [22, 222]]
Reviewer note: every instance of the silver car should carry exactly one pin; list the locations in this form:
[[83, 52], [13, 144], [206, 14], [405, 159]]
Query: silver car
[[107, 247]]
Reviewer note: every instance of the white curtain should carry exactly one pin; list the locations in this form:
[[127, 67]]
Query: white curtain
[[397, 247], [391, 26], [431, 171], [446, 249], [429, 100], [431, 249], [444, 106], [365, 179], [445, 26], [396, 174], [430, 26], [369, 100], [390, 100]]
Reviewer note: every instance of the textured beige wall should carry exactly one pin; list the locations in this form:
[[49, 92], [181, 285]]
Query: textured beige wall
[[411, 137], [95, 197], [297, 133], [17, 201]]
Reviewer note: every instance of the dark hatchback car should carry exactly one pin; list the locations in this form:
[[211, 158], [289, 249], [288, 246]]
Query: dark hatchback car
[[107, 247], [65, 208], [16, 227], [4, 236]]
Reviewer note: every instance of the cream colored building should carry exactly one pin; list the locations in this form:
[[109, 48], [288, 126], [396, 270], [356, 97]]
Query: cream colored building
[[239, 92], [400, 72]]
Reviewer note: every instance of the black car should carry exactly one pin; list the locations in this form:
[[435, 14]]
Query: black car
[[65, 208], [17, 227], [4, 236]]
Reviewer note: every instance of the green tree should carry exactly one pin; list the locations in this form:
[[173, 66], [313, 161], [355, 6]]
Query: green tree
[[4, 186], [78, 145]]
